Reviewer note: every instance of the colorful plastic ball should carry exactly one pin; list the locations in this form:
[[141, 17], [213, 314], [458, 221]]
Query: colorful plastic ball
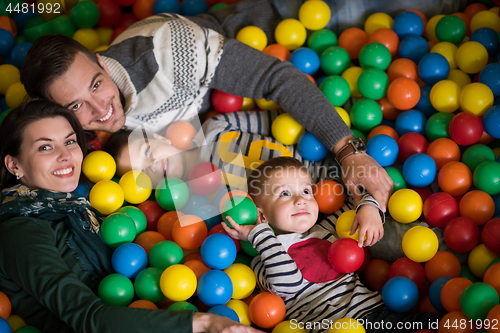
[[488, 38], [226, 195], [88, 37], [405, 206], [420, 243], [466, 128], [479, 259], [320, 40], [472, 57], [166, 6], [148, 239], [413, 47], [400, 294], [402, 67], [330, 196], [344, 225], [19, 52], [377, 273], [136, 185], [407, 268], [386, 37], [455, 178], [485, 18], [181, 133], [224, 311], [334, 60], [490, 235], [383, 129], [336, 89], [398, 180], [129, 259], [442, 149], [9, 74], [447, 50], [253, 36], [172, 194], [477, 300], [63, 25], [267, 310], [353, 40], [492, 275], [451, 293], [435, 292], [375, 55], [5, 306], [476, 98], [443, 263], [195, 202], [241, 209], [178, 283], [286, 130], [204, 178], [290, 33], [147, 285], [210, 214], [84, 14], [459, 77], [214, 288], [439, 209], [197, 266], [445, 96], [311, 148], [490, 76], [306, 60], [366, 114], [153, 212], [477, 206], [182, 306], [106, 196], [224, 102], [419, 170], [218, 251], [109, 14], [5, 326], [116, 290], [288, 327], [345, 255], [450, 28], [487, 177], [241, 309], [194, 7], [411, 121], [278, 51], [15, 95], [314, 15], [372, 83], [408, 23], [346, 325], [403, 93], [243, 278], [189, 232], [433, 67], [118, 229], [411, 143], [99, 165], [378, 21], [477, 154], [36, 27], [384, 149], [165, 254]]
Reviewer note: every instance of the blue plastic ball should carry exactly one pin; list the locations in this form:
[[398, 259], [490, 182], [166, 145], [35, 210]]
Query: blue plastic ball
[[383, 148], [4, 326], [488, 38], [387, 122], [311, 148], [129, 259], [424, 104], [225, 311], [214, 288], [497, 57], [411, 121], [83, 189], [194, 7], [490, 76], [22, 18], [320, 80], [194, 202], [218, 251], [435, 292], [19, 53], [166, 6], [491, 122], [210, 214], [433, 67], [408, 23], [7, 42], [413, 47], [496, 200], [419, 170], [400, 294], [305, 60]]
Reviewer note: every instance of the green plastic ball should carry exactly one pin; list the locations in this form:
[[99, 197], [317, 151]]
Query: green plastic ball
[[366, 114], [477, 300], [4, 4], [398, 180], [451, 28], [172, 194], [465, 272], [62, 25], [182, 306], [85, 14], [248, 248], [373, 83], [118, 229], [116, 290], [495, 261], [486, 177], [219, 6], [21, 39], [147, 284], [477, 154], [243, 258], [137, 215], [241, 209], [36, 27], [336, 89], [358, 134], [3, 115], [322, 39], [28, 329], [165, 254], [375, 55], [437, 126], [334, 60]]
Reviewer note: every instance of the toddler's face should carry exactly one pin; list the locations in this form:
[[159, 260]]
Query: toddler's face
[[287, 201]]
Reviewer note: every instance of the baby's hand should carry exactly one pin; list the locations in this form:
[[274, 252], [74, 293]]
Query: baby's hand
[[239, 231], [370, 224]]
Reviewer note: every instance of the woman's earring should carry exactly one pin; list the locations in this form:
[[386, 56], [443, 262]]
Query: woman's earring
[[17, 176]]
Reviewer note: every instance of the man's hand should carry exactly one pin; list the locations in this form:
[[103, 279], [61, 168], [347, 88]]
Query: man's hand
[[370, 225], [210, 323], [239, 231]]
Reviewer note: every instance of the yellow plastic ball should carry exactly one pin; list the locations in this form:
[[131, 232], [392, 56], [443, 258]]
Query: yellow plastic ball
[[253, 36], [286, 130], [137, 186], [346, 325], [476, 98], [447, 50], [99, 165], [485, 19], [344, 224], [15, 95], [88, 38], [351, 75], [104, 35], [378, 21], [101, 48], [178, 283], [249, 104], [241, 309], [479, 259], [420, 244], [15, 322], [288, 327], [496, 151], [405, 205], [472, 57], [290, 33], [445, 96], [430, 30], [459, 77], [243, 279], [344, 115], [495, 10], [106, 196], [9, 75], [314, 15], [266, 105]]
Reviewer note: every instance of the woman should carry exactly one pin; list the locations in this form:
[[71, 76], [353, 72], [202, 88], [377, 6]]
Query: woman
[[53, 256]]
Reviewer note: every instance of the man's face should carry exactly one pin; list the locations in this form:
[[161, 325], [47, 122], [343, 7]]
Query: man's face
[[88, 91]]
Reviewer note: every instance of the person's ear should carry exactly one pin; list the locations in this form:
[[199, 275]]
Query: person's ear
[[162, 139], [12, 165], [260, 215], [102, 64]]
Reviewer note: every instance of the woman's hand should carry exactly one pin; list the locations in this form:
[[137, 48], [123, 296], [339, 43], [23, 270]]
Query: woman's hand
[[239, 231], [211, 323]]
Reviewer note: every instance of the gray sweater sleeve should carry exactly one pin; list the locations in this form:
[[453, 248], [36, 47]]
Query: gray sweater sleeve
[[245, 71]]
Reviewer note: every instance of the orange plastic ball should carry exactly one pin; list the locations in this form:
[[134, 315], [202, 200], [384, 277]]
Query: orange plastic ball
[[466, 18], [493, 317], [278, 51], [403, 93], [198, 267], [451, 292], [181, 134], [389, 112], [330, 196], [455, 178], [477, 206], [166, 223], [353, 40], [143, 304], [5, 306], [474, 8], [443, 263], [192, 255], [492, 277], [442, 151], [8, 24], [402, 67], [148, 239], [267, 310], [232, 194], [143, 8], [422, 16], [189, 232], [446, 323], [377, 273], [425, 306], [387, 37], [383, 129]]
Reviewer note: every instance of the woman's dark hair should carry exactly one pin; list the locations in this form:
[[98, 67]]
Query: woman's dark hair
[[116, 143], [13, 126]]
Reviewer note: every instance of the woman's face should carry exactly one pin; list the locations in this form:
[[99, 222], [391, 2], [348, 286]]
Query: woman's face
[[50, 157]]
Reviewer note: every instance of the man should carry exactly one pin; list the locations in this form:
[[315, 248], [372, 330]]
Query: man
[[161, 68]]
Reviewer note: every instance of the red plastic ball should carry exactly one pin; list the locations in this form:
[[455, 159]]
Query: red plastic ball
[[117, 32], [345, 255], [124, 3], [153, 212], [366, 261], [408, 268], [461, 234], [377, 273], [110, 14], [128, 19], [224, 102], [204, 178], [411, 143], [466, 128], [440, 208], [491, 235], [267, 310]]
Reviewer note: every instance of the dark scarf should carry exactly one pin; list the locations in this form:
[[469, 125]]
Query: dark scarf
[[75, 211]]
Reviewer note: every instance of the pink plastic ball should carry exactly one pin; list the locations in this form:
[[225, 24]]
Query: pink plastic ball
[[205, 178], [181, 134]]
